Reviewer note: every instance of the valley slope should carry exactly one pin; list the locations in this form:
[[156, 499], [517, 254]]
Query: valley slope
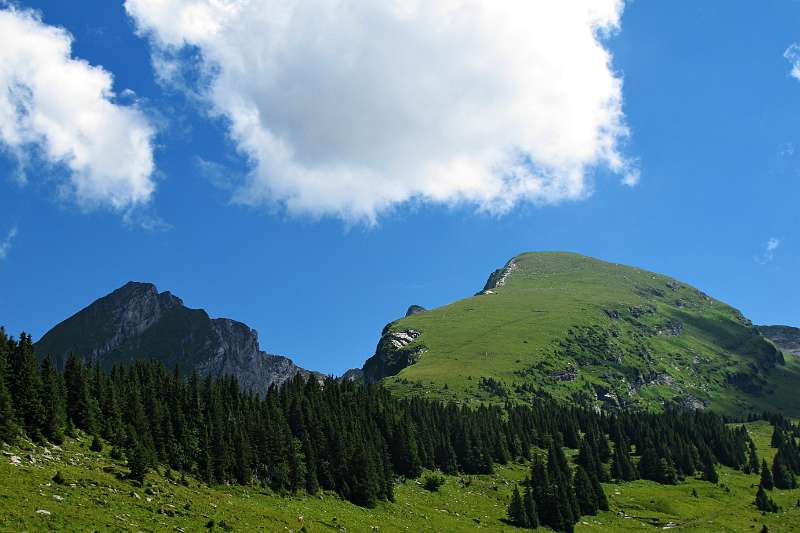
[[591, 332]]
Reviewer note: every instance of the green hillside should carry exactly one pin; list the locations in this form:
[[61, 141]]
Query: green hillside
[[95, 496], [588, 331]]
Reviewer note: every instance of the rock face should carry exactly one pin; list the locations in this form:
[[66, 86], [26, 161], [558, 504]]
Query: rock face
[[786, 338], [415, 310], [354, 374], [498, 277], [393, 354], [136, 321]]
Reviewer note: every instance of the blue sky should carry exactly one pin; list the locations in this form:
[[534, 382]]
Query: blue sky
[[707, 96]]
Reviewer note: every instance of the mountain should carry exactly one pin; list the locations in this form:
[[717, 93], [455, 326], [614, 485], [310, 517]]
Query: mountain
[[136, 321], [591, 332], [786, 338]]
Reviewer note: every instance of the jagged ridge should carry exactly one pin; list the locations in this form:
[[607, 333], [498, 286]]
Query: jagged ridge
[[136, 321]]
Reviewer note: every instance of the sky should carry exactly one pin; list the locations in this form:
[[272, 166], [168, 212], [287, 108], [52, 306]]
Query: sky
[[313, 169]]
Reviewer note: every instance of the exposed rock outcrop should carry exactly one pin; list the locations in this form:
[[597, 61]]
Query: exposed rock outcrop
[[787, 338], [136, 321], [415, 310], [396, 350], [354, 374], [499, 277]]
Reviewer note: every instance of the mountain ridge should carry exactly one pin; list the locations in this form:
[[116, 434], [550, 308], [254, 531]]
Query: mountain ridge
[[588, 331], [136, 321]]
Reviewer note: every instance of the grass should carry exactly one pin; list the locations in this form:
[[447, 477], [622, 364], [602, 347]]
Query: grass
[[95, 496], [553, 313]]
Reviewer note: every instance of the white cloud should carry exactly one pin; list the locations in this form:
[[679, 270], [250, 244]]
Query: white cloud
[[769, 251], [5, 244], [792, 54], [61, 109], [350, 107]]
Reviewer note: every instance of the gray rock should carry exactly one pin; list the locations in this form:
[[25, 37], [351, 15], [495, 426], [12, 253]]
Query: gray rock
[[787, 338], [499, 277], [415, 310], [394, 353], [354, 374], [136, 321]]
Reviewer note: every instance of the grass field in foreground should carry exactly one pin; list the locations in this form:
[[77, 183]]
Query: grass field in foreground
[[94, 497]]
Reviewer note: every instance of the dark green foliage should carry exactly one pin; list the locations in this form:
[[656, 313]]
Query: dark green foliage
[[97, 445], [709, 470], [137, 463], [58, 478], [516, 510], [433, 481], [767, 481], [584, 492], [25, 383], [54, 402], [764, 502], [352, 438], [782, 474]]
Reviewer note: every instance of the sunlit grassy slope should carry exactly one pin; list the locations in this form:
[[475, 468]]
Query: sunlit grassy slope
[[95, 497], [591, 331]]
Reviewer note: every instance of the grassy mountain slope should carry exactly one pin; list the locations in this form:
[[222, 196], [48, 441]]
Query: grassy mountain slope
[[95, 496], [594, 332]]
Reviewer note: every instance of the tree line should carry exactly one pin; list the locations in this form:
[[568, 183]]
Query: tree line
[[352, 438]]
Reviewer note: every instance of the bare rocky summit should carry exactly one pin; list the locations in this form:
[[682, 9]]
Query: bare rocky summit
[[137, 322]]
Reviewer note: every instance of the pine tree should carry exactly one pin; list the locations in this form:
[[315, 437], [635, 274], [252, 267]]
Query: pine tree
[[27, 388], [529, 504], [764, 502], [54, 402], [516, 510], [781, 473], [767, 481], [8, 424], [138, 463], [79, 401], [584, 492], [709, 470], [752, 458]]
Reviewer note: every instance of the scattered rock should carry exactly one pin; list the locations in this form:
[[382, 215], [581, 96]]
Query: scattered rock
[[612, 313], [15, 460], [674, 286], [568, 374], [58, 498], [43, 512]]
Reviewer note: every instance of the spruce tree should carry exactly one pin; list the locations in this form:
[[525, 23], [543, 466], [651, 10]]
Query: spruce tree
[[138, 463], [767, 481], [781, 473], [8, 424], [54, 402], [584, 492], [709, 470], [26, 388], [516, 509], [529, 504], [764, 502]]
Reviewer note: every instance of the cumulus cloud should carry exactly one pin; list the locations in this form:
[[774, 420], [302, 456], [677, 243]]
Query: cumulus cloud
[[348, 108], [5, 244], [62, 110], [792, 55], [769, 251]]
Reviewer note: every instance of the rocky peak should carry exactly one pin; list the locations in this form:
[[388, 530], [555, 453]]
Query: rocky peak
[[787, 338], [499, 277], [136, 321], [415, 310]]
